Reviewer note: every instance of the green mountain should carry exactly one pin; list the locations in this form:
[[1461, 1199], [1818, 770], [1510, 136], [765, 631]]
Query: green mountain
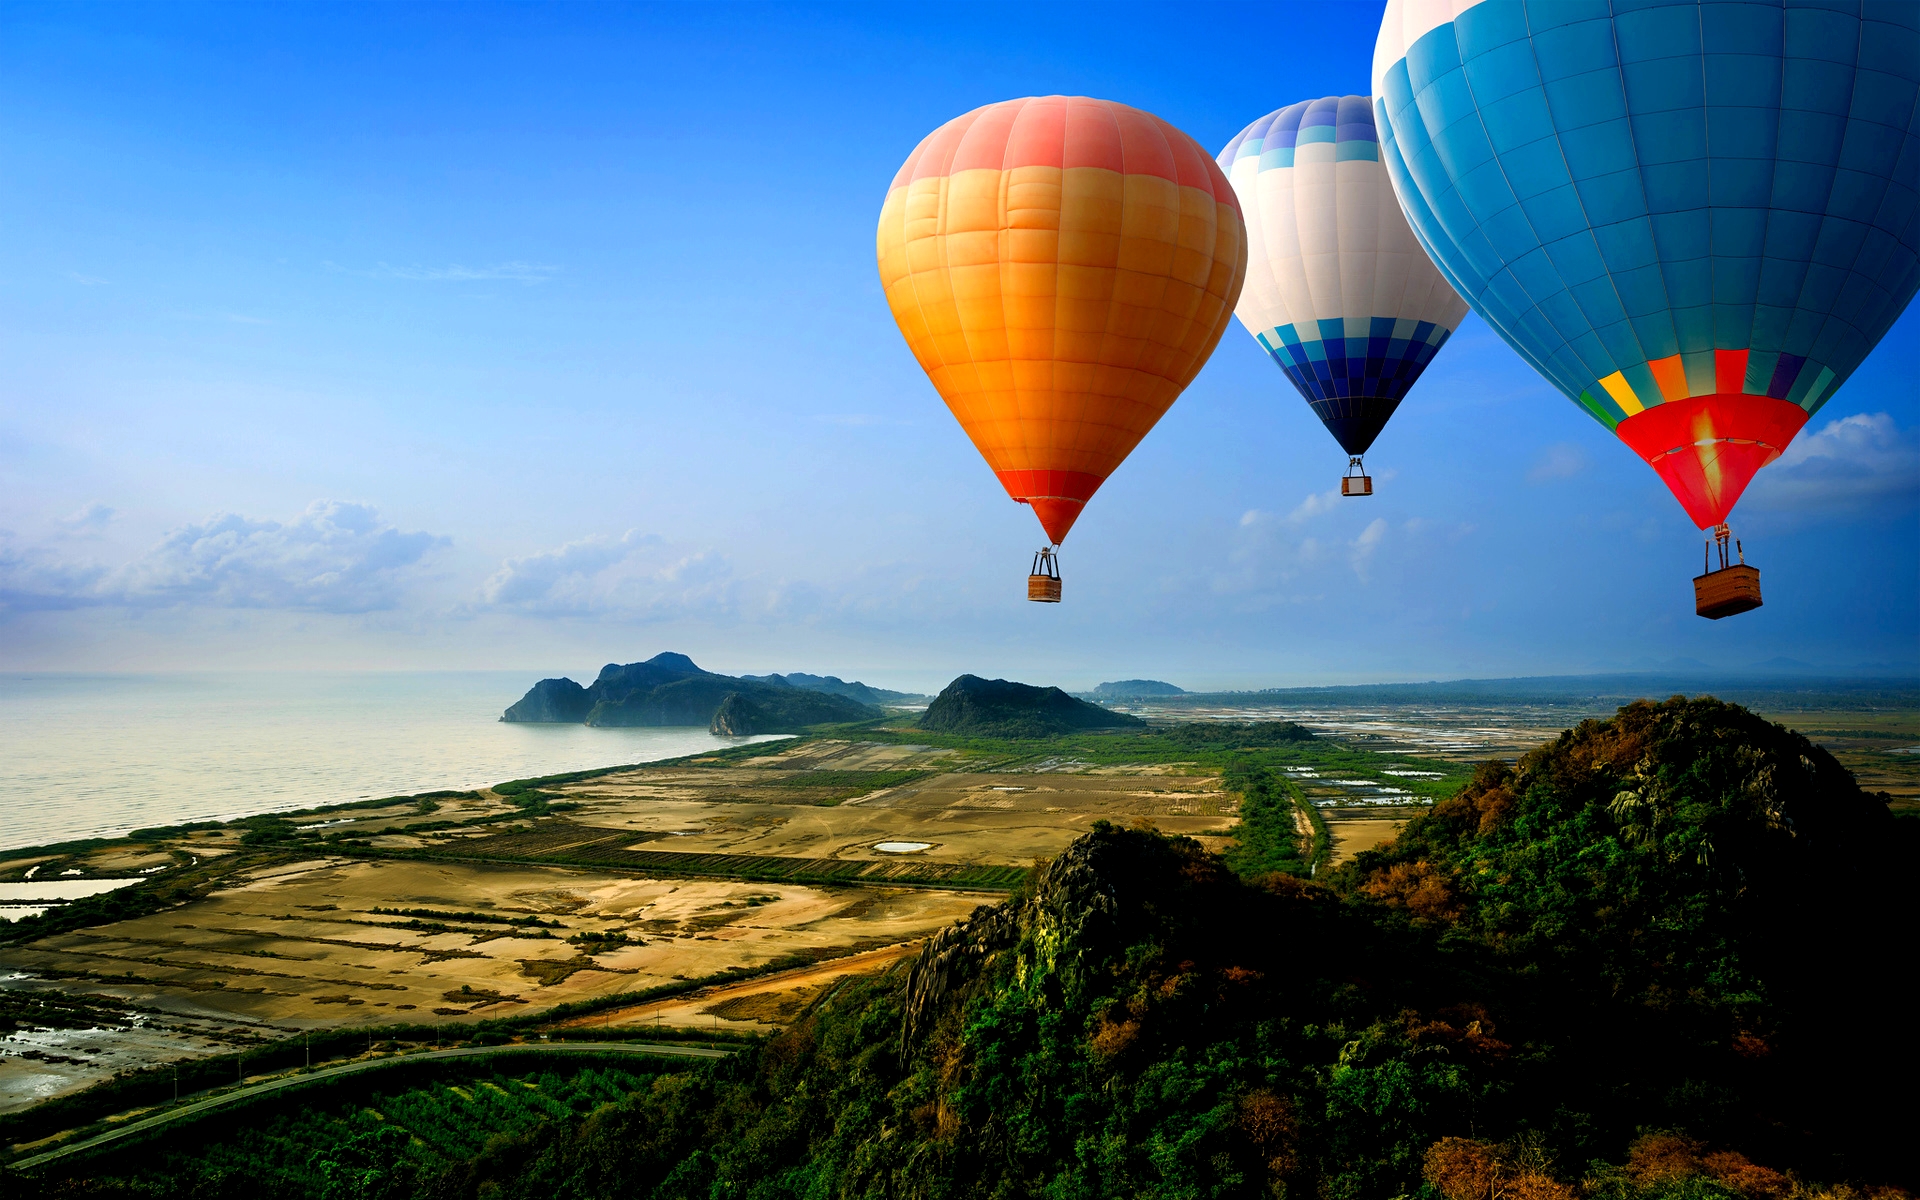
[[999, 708], [864, 693], [668, 689]]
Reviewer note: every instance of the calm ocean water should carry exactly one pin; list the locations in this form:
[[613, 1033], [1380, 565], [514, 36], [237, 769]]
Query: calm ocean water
[[90, 755]]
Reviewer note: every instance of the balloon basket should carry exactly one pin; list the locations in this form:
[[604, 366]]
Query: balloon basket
[[1356, 482], [1043, 584], [1733, 588], [1726, 592]]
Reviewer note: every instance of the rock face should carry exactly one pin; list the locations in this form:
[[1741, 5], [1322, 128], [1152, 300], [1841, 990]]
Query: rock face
[[737, 716], [1075, 917], [1137, 687], [560, 701], [999, 708], [743, 714], [669, 689]]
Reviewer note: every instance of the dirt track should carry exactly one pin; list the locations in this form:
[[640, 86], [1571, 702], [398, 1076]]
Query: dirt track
[[696, 1010]]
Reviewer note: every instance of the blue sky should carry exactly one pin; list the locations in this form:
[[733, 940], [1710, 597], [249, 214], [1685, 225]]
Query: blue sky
[[466, 336]]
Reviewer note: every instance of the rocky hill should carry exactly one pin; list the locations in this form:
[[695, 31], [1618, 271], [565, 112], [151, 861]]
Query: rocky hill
[[1000, 708], [669, 689]]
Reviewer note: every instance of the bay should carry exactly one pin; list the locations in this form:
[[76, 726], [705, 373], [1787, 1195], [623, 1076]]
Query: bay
[[99, 755]]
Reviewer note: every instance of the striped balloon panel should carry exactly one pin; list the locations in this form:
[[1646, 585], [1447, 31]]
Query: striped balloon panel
[[1331, 260], [1355, 373], [1061, 268], [1709, 203]]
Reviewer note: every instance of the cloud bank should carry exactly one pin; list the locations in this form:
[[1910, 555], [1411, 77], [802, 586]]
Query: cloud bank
[[1851, 463], [335, 557]]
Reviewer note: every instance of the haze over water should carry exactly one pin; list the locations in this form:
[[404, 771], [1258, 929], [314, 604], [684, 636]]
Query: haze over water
[[90, 755]]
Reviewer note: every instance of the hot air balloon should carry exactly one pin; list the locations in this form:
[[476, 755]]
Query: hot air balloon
[[1338, 291], [1694, 218], [1061, 268]]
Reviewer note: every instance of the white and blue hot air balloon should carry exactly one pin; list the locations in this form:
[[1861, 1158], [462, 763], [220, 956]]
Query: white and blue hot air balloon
[[1338, 290]]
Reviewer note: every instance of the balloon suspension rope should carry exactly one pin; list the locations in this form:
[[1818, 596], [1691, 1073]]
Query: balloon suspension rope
[[1046, 561], [1721, 536]]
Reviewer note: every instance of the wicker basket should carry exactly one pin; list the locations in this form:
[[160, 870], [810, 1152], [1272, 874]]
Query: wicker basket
[[1727, 591], [1356, 485], [1044, 588]]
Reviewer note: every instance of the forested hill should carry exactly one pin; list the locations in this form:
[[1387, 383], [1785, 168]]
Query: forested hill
[[1657, 960], [1003, 709]]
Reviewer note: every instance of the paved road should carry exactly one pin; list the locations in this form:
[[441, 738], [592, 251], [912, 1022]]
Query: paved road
[[652, 1049]]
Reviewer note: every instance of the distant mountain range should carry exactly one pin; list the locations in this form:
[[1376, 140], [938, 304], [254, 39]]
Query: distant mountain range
[[669, 689], [834, 685], [1135, 687], [1761, 687]]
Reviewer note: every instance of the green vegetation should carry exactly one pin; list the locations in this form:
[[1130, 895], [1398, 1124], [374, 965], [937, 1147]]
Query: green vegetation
[[408, 1136], [1266, 838], [857, 782], [1210, 735]]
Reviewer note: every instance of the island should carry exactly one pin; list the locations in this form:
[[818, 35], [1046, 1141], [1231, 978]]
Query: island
[[669, 689], [1132, 688]]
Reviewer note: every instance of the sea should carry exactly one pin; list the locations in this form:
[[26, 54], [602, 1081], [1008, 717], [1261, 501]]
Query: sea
[[99, 755]]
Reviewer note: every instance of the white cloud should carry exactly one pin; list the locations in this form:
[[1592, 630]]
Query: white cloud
[[85, 280], [33, 579], [91, 518], [1847, 463], [1363, 547], [636, 575], [559, 573], [334, 557], [1562, 460]]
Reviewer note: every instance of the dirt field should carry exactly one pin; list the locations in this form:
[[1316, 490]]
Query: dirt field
[[514, 913], [304, 945], [1353, 832], [754, 1003], [769, 806]]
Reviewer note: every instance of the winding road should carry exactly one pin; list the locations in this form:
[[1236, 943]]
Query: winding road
[[645, 1049]]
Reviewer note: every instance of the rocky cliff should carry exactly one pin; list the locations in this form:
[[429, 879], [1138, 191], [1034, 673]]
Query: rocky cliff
[[552, 701]]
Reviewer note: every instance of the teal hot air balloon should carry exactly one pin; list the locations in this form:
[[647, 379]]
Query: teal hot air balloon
[[1338, 291], [1695, 217]]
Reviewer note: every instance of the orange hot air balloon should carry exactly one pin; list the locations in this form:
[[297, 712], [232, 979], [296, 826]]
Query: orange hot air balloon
[[1061, 268]]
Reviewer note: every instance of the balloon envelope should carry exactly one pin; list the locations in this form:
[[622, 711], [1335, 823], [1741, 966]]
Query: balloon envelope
[[1338, 291], [1061, 268], [1694, 218]]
